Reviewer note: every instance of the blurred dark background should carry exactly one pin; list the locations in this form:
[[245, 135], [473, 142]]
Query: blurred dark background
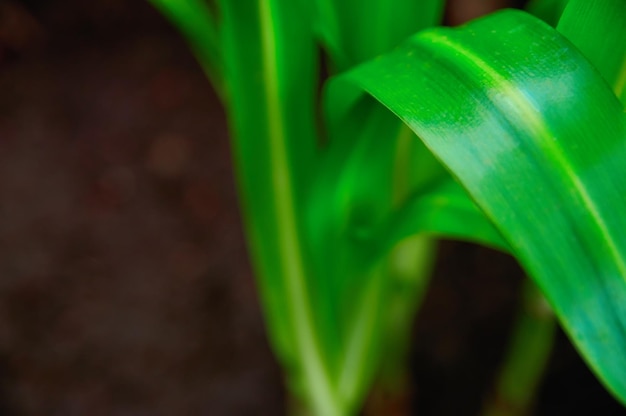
[[125, 287]]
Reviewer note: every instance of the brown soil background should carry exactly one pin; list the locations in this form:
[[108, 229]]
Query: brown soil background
[[125, 287]]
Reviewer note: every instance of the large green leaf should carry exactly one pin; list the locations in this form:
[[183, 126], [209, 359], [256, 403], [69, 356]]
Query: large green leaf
[[538, 139]]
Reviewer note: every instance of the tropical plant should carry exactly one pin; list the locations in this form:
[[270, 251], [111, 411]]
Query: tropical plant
[[522, 143]]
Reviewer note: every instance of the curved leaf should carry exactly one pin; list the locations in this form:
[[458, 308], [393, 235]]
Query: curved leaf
[[598, 29], [539, 141], [443, 209]]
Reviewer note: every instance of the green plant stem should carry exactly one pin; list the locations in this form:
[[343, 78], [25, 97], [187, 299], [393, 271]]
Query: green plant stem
[[292, 264], [362, 343], [379, 335], [267, 53], [409, 267], [526, 358]]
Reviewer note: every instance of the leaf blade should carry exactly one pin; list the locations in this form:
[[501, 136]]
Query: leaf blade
[[270, 71], [506, 133], [589, 24]]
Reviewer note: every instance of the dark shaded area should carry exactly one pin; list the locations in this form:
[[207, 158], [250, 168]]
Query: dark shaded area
[[462, 334], [125, 288], [125, 285], [570, 388]]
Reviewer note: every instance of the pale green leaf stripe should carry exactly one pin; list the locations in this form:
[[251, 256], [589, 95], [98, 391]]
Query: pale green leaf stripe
[[539, 141]]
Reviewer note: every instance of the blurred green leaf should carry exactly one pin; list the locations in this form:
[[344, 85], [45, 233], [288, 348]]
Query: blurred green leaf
[[598, 29], [353, 31], [270, 68], [198, 24], [444, 210], [548, 10]]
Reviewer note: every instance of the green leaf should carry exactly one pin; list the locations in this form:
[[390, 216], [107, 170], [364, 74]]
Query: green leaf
[[443, 210], [548, 10], [591, 25], [270, 70], [538, 139], [367, 185], [353, 31], [351, 193]]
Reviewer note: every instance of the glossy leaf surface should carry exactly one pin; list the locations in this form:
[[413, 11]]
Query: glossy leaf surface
[[538, 139]]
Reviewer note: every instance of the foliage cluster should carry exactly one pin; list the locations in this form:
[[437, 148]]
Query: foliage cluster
[[508, 131]]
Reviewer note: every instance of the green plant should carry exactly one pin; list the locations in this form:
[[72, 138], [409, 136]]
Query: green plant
[[522, 141]]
